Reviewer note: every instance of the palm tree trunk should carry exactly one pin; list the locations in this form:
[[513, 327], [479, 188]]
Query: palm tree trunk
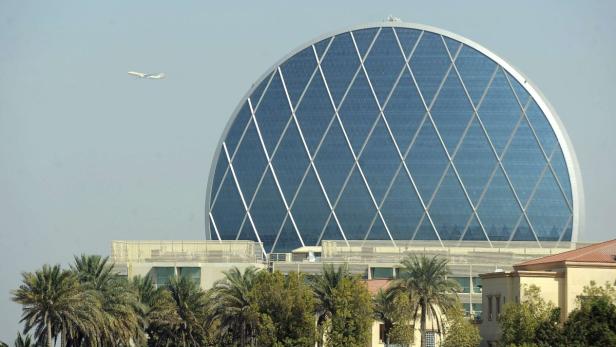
[[422, 328], [48, 326], [243, 337]]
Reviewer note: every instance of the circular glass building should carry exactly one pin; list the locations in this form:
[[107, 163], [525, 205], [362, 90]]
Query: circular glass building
[[396, 132]]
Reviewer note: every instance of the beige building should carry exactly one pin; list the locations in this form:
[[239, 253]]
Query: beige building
[[203, 261], [561, 278]]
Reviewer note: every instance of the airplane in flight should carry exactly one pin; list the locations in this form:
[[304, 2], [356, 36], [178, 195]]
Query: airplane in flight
[[152, 76]]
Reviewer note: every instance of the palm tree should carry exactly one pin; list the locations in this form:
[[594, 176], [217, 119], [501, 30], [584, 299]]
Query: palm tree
[[190, 317], [384, 310], [54, 303], [159, 315], [234, 307], [425, 281], [23, 341], [120, 311], [323, 285]]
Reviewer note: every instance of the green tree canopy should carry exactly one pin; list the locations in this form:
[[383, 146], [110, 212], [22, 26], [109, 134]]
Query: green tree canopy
[[120, 312], [234, 306], [351, 319], [425, 282], [323, 286], [54, 304], [593, 323], [519, 321], [460, 332], [286, 306]]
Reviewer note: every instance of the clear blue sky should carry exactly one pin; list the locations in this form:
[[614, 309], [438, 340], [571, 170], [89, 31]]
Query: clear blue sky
[[89, 154]]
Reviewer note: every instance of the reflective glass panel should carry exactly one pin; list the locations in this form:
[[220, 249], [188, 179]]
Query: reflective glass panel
[[378, 231], [228, 210], [314, 113], [429, 64], [321, 46], [523, 232], [566, 236], [288, 239], [249, 162], [519, 90], [498, 210], [237, 128], [221, 170], [450, 209], [273, 112], [474, 232], [339, 65], [427, 161], [562, 173], [425, 231], [359, 111], [404, 111], [363, 39], [542, 127], [452, 111], [257, 94], [499, 111], [297, 71], [268, 211], [452, 46], [476, 71], [379, 161], [332, 231], [402, 209], [355, 208], [334, 161], [548, 212], [524, 162], [247, 232], [384, 63], [407, 38], [310, 210], [475, 161], [290, 162]]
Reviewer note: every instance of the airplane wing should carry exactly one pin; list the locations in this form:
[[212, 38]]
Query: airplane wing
[[137, 74]]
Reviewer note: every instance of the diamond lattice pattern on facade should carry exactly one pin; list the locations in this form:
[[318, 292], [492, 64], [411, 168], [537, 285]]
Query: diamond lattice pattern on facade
[[390, 134]]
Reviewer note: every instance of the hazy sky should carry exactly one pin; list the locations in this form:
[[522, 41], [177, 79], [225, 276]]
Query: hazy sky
[[89, 154]]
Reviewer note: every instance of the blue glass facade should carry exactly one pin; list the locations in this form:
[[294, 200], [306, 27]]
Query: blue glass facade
[[390, 133]]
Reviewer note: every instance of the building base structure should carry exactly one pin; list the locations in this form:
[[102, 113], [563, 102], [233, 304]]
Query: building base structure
[[377, 262], [561, 279]]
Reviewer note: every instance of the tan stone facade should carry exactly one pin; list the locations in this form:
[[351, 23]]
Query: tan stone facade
[[561, 278]]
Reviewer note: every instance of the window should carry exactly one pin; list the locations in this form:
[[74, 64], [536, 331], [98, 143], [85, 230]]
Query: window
[[476, 309], [497, 299], [382, 273], [464, 282], [194, 273], [381, 333], [162, 275], [430, 339], [476, 285], [467, 309], [489, 307]]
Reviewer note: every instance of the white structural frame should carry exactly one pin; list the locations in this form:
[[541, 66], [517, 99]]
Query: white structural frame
[[575, 176]]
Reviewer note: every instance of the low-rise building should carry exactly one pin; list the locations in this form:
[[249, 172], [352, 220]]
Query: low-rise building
[[378, 262], [560, 277], [203, 261]]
